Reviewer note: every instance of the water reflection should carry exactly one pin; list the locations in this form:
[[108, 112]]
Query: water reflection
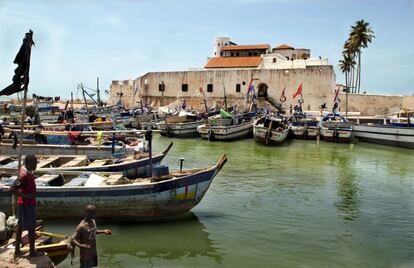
[[347, 186], [177, 238]]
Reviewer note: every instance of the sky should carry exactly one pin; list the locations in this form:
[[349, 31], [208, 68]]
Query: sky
[[77, 41]]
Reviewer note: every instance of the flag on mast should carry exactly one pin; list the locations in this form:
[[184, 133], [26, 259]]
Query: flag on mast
[[298, 91], [250, 87], [21, 74], [336, 94]]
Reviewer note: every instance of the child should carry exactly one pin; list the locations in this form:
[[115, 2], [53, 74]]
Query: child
[[85, 238], [25, 189]]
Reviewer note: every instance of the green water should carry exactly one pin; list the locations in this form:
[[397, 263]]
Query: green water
[[297, 205]]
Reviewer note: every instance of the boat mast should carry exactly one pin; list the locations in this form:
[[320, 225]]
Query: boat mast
[[84, 97], [225, 99], [98, 93]]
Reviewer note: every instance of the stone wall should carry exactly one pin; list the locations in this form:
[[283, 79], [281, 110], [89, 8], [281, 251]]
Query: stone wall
[[318, 85], [376, 104]]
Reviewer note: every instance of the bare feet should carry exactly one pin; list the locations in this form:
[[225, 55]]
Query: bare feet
[[18, 253], [36, 254]]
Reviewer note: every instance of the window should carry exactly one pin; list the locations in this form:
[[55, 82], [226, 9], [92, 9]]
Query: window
[[214, 53], [237, 54], [184, 87], [287, 57], [238, 87], [250, 54], [221, 53], [161, 87], [243, 83], [232, 54], [209, 87], [274, 60]]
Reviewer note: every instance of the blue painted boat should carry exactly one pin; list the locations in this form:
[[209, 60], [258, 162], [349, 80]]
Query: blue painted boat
[[160, 196]]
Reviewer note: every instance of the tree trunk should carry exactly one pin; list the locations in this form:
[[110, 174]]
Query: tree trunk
[[359, 71]]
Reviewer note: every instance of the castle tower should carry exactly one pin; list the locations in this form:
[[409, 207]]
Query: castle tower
[[219, 43]]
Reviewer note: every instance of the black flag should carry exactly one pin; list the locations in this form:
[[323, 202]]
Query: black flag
[[21, 73]]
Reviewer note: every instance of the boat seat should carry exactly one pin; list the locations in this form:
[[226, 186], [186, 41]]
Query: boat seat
[[98, 163], [47, 162], [4, 159], [77, 161], [47, 180], [115, 179]]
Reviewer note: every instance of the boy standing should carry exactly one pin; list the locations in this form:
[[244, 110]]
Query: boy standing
[[25, 189], [85, 238]]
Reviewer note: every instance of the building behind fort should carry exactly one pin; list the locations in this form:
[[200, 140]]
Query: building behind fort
[[229, 71]]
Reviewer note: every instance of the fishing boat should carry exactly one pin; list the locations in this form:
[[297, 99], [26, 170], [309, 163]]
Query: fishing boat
[[183, 125], [270, 130], [9, 147], [163, 194], [303, 126], [335, 127], [131, 166], [226, 126], [385, 134]]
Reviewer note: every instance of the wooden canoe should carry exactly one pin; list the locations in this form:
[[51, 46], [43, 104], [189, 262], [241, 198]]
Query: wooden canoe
[[131, 166], [154, 197]]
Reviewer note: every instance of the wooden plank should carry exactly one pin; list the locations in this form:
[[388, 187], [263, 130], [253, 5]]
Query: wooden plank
[[113, 179], [78, 161], [47, 178], [99, 163], [48, 161]]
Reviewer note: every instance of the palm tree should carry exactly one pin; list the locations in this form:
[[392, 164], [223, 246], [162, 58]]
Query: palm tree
[[347, 65], [361, 35]]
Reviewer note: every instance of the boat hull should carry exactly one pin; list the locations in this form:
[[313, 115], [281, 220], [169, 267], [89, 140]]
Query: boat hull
[[226, 133], [180, 130], [386, 135], [49, 149], [336, 135], [149, 200], [273, 137]]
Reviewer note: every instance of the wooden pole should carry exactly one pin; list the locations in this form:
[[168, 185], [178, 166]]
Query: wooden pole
[[25, 88]]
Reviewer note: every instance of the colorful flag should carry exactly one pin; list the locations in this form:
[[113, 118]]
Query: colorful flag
[[298, 91], [336, 94], [250, 88]]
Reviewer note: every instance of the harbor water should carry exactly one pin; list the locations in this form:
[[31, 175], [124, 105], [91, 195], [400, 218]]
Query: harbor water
[[295, 205]]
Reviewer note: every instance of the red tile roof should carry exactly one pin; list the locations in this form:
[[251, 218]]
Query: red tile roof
[[283, 46], [246, 47], [233, 62]]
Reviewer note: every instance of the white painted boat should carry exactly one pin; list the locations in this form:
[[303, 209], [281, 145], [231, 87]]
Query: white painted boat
[[386, 134], [180, 130], [304, 127], [226, 133], [117, 197], [270, 130], [227, 129], [336, 128]]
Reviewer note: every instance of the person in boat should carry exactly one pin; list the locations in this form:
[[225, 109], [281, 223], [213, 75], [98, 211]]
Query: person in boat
[[85, 238], [25, 189]]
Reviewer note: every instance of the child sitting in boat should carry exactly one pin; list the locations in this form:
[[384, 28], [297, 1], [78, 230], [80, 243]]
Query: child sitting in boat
[[85, 238]]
